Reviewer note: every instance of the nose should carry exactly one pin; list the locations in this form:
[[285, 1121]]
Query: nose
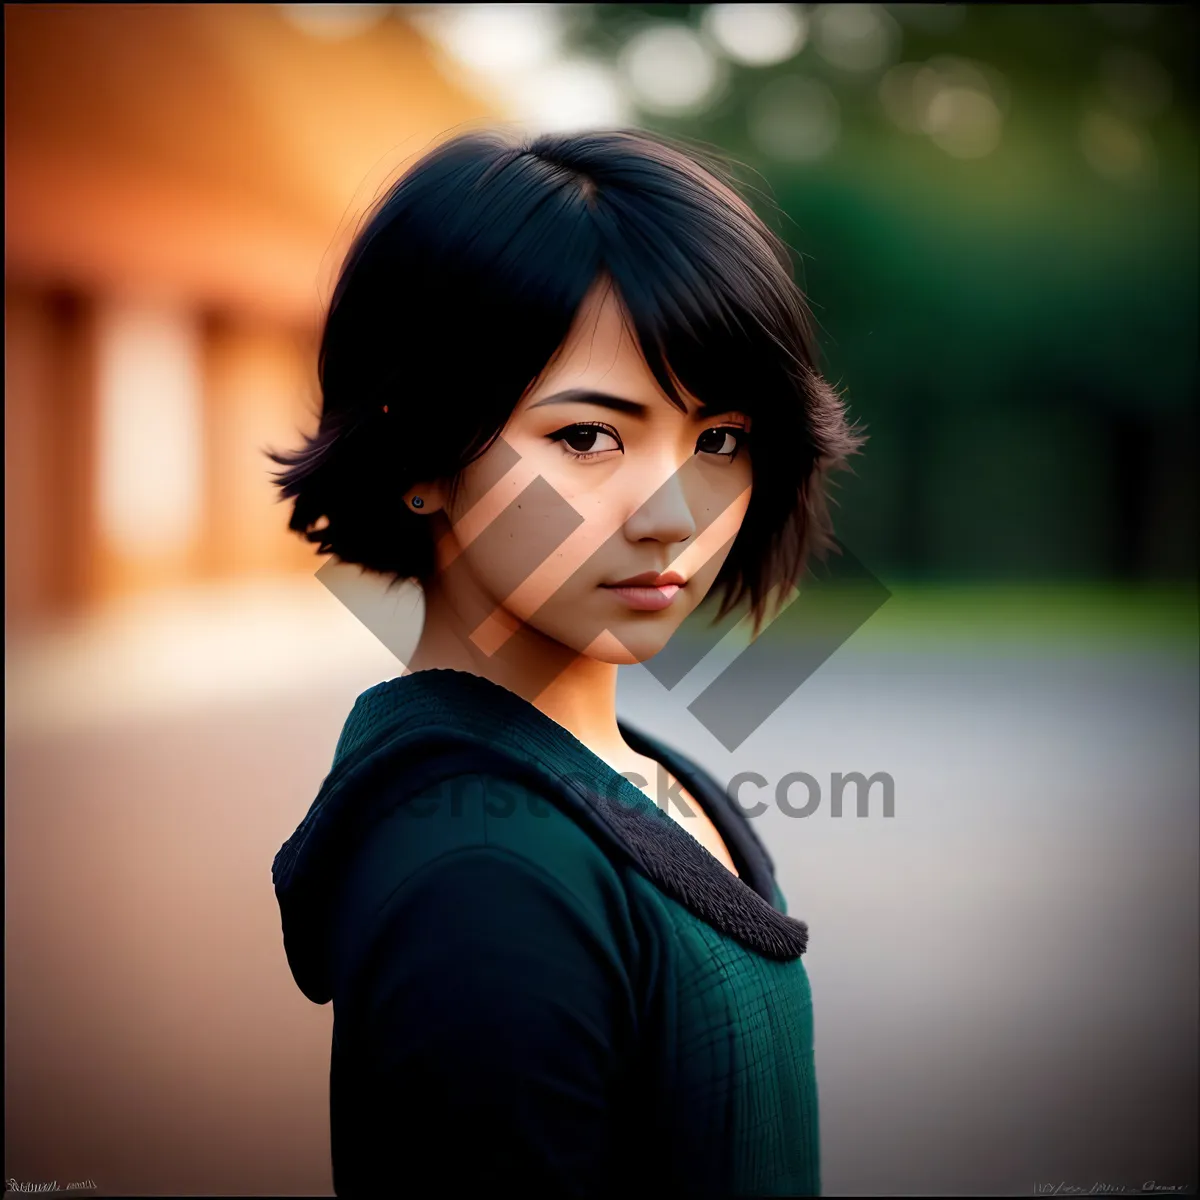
[[665, 515]]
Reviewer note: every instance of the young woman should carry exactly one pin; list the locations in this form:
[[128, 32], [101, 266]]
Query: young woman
[[569, 387]]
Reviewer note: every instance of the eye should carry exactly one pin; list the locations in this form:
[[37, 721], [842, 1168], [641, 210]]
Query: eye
[[579, 441], [723, 442]]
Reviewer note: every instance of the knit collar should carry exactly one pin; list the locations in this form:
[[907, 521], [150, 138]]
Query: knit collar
[[469, 722]]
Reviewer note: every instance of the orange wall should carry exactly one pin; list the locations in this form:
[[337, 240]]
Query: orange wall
[[213, 159]]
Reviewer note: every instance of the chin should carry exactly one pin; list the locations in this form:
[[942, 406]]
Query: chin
[[628, 646]]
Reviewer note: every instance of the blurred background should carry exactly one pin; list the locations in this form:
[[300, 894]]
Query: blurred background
[[993, 210]]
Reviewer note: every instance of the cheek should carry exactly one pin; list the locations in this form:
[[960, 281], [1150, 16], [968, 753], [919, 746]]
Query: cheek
[[561, 539], [528, 541], [530, 549], [510, 519]]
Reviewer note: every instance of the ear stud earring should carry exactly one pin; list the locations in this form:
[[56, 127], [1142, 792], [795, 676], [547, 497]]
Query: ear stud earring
[[417, 502]]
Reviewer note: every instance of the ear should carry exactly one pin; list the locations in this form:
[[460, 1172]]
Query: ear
[[425, 498]]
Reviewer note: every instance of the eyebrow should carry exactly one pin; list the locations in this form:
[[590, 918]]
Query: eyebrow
[[620, 404]]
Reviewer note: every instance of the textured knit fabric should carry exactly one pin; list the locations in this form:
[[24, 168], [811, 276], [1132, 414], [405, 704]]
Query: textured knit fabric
[[542, 983]]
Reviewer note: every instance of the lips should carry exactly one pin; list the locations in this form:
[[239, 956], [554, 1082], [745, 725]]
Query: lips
[[651, 579], [647, 599]]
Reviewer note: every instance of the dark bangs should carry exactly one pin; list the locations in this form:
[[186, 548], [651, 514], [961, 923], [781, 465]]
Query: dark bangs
[[464, 282]]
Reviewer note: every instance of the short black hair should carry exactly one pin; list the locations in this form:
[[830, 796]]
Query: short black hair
[[463, 282]]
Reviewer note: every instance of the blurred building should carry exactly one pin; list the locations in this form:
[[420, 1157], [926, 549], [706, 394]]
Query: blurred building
[[181, 181]]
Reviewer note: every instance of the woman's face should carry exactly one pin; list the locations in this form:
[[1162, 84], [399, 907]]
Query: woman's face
[[623, 484]]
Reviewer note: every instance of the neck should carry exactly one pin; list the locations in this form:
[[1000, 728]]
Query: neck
[[577, 692]]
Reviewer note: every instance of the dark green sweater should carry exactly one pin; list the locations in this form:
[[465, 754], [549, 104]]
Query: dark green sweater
[[542, 983]]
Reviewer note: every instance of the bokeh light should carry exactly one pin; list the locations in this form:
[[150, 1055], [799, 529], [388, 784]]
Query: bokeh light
[[959, 103], [495, 38], [333, 22], [906, 92], [963, 122], [856, 37], [795, 118], [670, 69], [514, 53], [575, 93], [757, 35], [954, 70], [1116, 148]]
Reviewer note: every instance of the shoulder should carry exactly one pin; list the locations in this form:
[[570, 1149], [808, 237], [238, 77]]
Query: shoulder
[[519, 823], [485, 853], [509, 963]]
